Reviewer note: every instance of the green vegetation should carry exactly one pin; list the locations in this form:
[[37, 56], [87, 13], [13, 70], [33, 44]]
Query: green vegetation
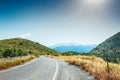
[[11, 52], [109, 50], [21, 47], [71, 53]]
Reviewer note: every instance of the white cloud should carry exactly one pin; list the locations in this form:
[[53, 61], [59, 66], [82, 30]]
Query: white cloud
[[25, 35]]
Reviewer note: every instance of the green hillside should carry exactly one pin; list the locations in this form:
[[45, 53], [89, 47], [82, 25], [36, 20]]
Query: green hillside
[[110, 46], [19, 47]]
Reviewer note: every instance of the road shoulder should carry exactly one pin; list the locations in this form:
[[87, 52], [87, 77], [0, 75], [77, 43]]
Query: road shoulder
[[71, 72]]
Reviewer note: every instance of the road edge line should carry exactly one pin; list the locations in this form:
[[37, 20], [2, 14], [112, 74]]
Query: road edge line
[[56, 71]]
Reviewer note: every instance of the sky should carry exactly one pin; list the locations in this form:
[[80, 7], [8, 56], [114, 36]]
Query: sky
[[51, 22]]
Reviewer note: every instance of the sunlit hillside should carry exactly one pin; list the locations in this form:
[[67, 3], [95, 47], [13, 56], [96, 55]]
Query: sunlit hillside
[[20, 47]]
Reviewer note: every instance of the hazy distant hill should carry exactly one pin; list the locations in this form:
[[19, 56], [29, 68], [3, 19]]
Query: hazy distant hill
[[73, 47], [110, 46], [17, 46]]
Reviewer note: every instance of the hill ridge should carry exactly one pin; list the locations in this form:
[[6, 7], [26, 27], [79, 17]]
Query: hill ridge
[[27, 46], [110, 46]]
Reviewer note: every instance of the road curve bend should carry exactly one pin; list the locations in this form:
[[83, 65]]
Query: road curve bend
[[45, 69]]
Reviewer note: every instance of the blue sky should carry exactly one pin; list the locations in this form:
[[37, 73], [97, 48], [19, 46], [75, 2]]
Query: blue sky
[[52, 22]]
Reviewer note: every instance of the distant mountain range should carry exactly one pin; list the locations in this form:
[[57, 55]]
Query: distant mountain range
[[110, 47], [65, 47]]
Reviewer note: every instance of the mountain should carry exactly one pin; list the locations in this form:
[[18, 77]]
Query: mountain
[[73, 47], [110, 47], [17, 46]]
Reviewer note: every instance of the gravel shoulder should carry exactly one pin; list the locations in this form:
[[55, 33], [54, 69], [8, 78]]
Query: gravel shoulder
[[71, 72]]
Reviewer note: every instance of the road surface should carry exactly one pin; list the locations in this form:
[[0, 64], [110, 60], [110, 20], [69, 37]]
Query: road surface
[[45, 69]]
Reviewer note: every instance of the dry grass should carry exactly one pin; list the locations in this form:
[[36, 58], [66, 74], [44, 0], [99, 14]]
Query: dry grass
[[94, 65], [10, 63]]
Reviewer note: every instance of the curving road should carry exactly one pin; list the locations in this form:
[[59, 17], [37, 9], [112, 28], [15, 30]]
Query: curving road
[[45, 69]]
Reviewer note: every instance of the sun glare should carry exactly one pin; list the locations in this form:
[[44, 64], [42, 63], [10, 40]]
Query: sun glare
[[95, 2]]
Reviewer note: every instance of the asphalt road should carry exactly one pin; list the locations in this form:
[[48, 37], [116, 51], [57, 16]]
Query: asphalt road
[[45, 69]]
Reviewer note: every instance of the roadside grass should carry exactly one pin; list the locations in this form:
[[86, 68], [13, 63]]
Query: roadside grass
[[94, 65], [5, 64]]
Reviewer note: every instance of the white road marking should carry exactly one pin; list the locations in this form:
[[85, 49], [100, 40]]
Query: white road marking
[[56, 71]]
